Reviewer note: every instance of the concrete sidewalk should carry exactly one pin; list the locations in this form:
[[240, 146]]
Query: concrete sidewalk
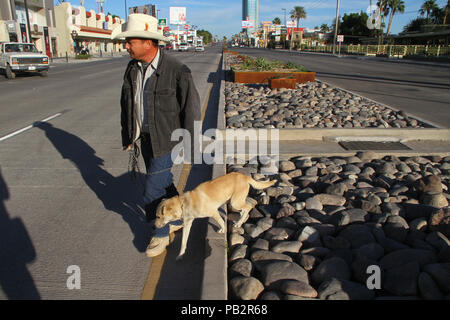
[[70, 60]]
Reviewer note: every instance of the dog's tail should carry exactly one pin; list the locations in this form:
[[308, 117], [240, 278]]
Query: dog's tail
[[260, 184]]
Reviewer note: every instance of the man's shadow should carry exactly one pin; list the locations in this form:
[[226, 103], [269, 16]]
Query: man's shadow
[[118, 194], [16, 251]]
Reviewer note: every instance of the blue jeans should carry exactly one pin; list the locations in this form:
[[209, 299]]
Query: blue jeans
[[158, 184]]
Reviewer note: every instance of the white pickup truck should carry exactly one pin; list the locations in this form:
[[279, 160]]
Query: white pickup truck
[[22, 57]]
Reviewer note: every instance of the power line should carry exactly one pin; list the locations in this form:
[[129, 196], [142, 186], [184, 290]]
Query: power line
[[316, 5]]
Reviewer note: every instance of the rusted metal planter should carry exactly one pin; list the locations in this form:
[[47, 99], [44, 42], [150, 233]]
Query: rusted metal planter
[[265, 76], [288, 83], [231, 52]]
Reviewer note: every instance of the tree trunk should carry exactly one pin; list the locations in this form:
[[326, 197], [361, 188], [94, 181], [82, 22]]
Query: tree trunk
[[446, 13], [391, 18]]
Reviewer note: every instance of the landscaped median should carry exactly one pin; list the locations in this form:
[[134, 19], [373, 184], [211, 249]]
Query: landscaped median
[[338, 224], [354, 227], [250, 70]]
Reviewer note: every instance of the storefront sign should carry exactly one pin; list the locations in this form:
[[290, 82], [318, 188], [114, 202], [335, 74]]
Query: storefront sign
[[48, 51], [11, 25], [23, 32]]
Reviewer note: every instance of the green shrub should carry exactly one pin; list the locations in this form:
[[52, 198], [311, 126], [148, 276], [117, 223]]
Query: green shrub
[[261, 64], [83, 56]]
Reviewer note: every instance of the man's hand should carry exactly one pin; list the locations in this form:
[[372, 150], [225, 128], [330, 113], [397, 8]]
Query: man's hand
[[129, 148]]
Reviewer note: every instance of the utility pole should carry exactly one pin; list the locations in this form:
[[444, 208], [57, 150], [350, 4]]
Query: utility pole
[[28, 22], [285, 25], [336, 27], [126, 11], [13, 17]]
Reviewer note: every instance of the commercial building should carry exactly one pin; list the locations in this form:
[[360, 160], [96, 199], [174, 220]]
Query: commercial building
[[41, 29], [250, 12], [81, 29]]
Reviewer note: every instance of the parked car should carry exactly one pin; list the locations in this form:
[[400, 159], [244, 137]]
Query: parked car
[[183, 46], [199, 48], [18, 57], [169, 46]]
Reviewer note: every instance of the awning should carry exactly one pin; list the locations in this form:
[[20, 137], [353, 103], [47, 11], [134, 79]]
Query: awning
[[91, 32]]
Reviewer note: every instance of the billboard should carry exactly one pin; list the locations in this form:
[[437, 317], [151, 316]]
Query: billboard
[[247, 24], [145, 9], [177, 15]]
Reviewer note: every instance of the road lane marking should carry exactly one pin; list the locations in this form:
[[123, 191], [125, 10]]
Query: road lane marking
[[27, 128], [92, 75]]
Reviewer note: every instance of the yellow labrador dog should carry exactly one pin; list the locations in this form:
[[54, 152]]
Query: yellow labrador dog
[[205, 200]]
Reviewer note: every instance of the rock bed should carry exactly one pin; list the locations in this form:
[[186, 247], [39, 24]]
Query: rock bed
[[310, 105], [314, 234]]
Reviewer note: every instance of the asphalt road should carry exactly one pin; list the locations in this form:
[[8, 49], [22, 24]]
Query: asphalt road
[[419, 89], [65, 194]]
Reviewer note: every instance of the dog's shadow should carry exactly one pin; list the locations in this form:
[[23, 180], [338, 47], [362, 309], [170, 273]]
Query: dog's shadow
[[118, 194]]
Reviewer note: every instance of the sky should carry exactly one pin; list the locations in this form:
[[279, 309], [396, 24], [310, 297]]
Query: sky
[[223, 17]]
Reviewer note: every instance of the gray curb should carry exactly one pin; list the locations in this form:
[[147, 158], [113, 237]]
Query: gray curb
[[215, 284], [368, 134]]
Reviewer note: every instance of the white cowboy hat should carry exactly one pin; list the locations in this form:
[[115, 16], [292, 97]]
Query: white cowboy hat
[[141, 26]]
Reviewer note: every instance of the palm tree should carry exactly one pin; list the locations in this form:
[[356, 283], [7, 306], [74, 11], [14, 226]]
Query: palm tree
[[276, 21], [298, 13], [324, 28], [383, 12], [394, 6], [428, 7]]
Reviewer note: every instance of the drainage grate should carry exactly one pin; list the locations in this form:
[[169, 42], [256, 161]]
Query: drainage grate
[[371, 145]]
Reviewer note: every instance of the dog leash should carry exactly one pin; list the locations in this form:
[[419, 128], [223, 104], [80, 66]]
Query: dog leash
[[133, 167]]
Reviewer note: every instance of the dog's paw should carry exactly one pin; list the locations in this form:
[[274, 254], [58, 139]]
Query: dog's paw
[[179, 257], [237, 225]]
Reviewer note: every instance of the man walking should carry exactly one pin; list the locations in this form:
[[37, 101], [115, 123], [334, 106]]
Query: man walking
[[158, 97]]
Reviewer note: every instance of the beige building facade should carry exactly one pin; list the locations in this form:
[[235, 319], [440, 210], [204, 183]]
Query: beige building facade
[[41, 29], [81, 29]]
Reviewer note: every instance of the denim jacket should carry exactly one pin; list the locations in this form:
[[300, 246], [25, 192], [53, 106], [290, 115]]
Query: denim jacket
[[172, 99]]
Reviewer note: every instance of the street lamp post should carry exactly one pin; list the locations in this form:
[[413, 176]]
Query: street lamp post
[[336, 27], [285, 25], [126, 11], [28, 22]]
